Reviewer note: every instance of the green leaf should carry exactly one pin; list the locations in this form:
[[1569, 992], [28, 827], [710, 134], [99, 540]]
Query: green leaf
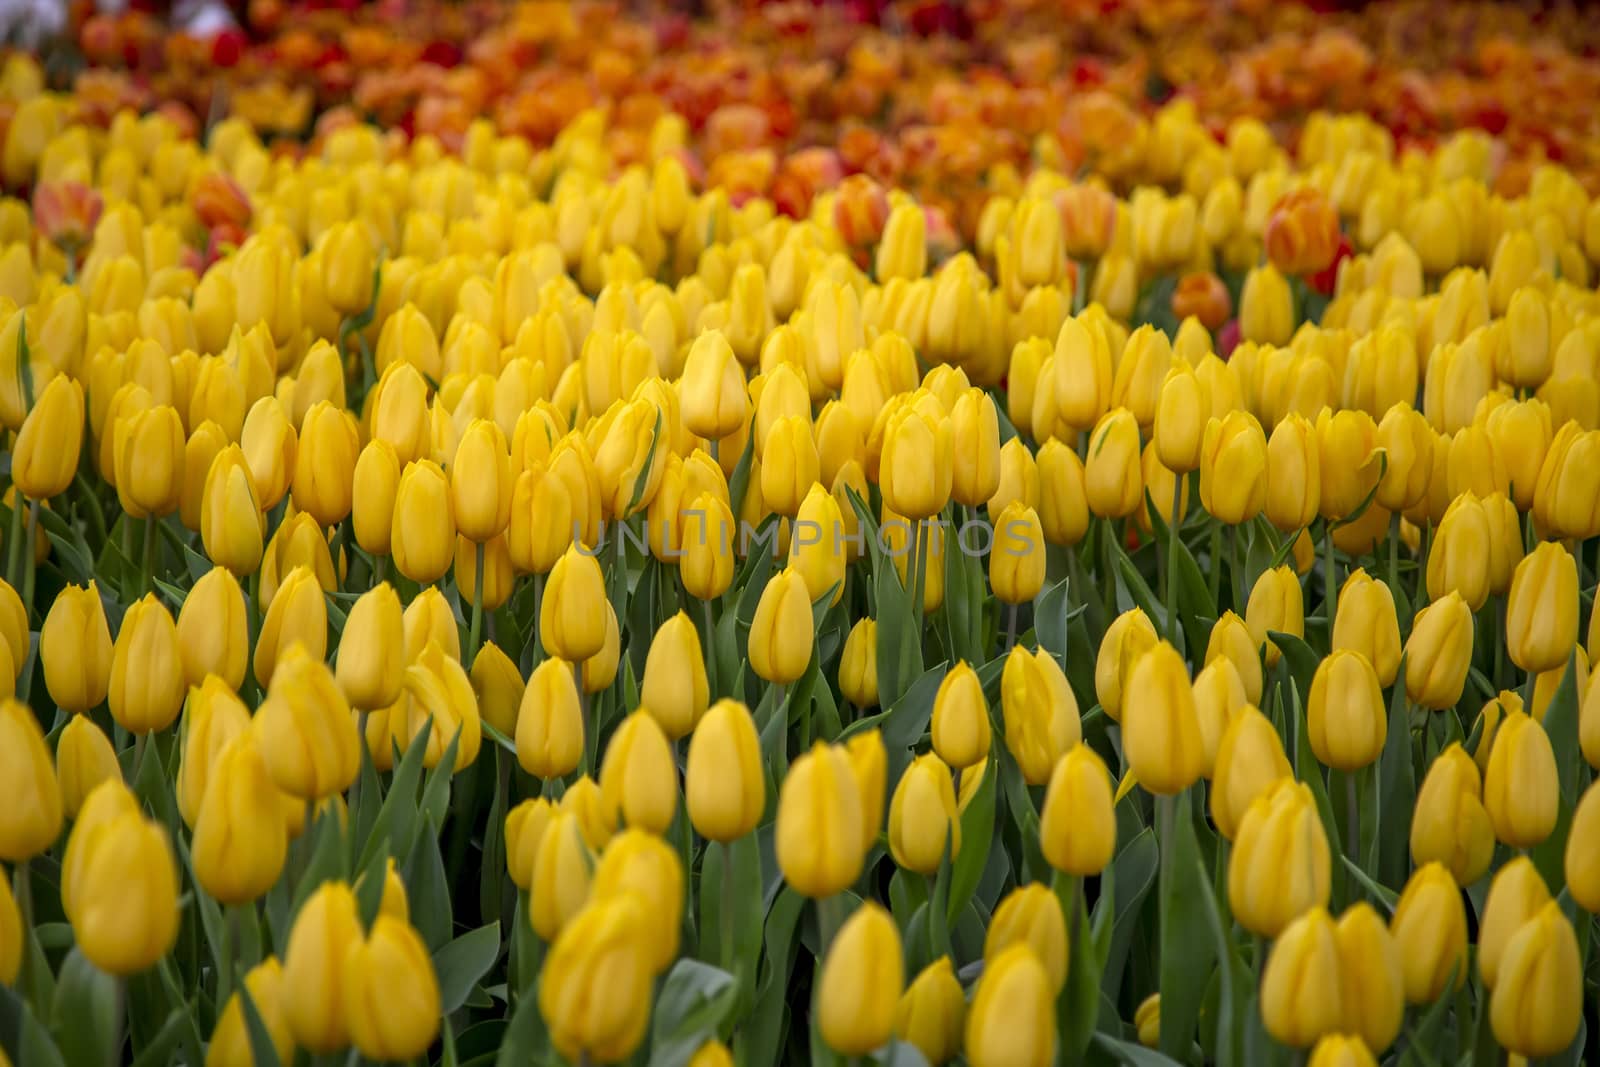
[[370, 885], [1079, 1006], [1385, 896], [157, 1052], [463, 962], [33, 1041], [436, 791], [84, 1012], [1135, 867], [1561, 723], [428, 889], [1397, 792], [696, 999], [760, 1038], [1132, 1055], [1186, 951], [526, 1039], [397, 819], [327, 857], [977, 835], [1051, 616]]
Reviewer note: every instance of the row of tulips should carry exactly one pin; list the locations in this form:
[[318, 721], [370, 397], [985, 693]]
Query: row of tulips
[[487, 610]]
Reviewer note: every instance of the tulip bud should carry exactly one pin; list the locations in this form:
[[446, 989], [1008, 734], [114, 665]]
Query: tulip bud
[[240, 839], [931, 1013], [861, 982], [975, 432], [960, 726], [1516, 895], [84, 759], [1234, 468], [31, 824], [715, 399], [1365, 622], [75, 648], [725, 782], [781, 633], [1294, 474], [323, 944], [1280, 864], [1449, 824], [819, 828], [213, 633], [640, 863], [674, 689], [147, 686], [298, 614], [638, 776], [1439, 652], [1063, 500], [1232, 640], [569, 626], [1430, 926], [230, 1041], [307, 735], [594, 992], [524, 831], [916, 469], [125, 896], [1147, 1021], [1408, 443], [423, 533], [1276, 604], [870, 763], [438, 690], [45, 456], [481, 482], [1078, 826], [149, 453], [1521, 789], [922, 816], [270, 445], [1249, 762], [1347, 721], [1566, 500], [1542, 612], [817, 548], [1266, 307], [561, 875], [1017, 558], [1301, 994], [1040, 713], [709, 533], [858, 665], [391, 993], [1031, 915], [1458, 560], [541, 525], [1582, 861], [1113, 478], [231, 523], [1537, 1004], [213, 715], [1372, 979], [1012, 1021], [1160, 731], [347, 279], [1129, 636], [1180, 419], [369, 664]]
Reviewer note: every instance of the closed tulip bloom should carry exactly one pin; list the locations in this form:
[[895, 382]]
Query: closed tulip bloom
[[391, 994], [716, 402], [1280, 864], [1542, 612], [84, 759], [1234, 471], [270, 445], [1063, 494], [1019, 478], [1017, 558], [1276, 604], [1566, 500], [1521, 789], [1249, 763], [1521, 434], [1546, 683], [1365, 622], [816, 545], [1182, 412], [75, 649], [638, 776], [541, 527], [1449, 824], [1266, 307], [709, 537], [781, 633], [1407, 442], [1537, 1004], [240, 839], [569, 626], [31, 822], [374, 484], [819, 831], [858, 665], [325, 937], [1113, 477], [643, 864], [1294, 473], [861, 982], [1458, 559], [481, 484], [922, 816], [931, 1012], [438, 690], [674, 689], [1232, 640], [1012, 1020], [149, 460], [975, 431], [1371, 977], [11, 938], [1031, 915], [45, 456], [1218, 698], [1582, 860], [347, 278], [1040, 713], [147, 684], [630, 457], [1430, 926], [1516, 895], [960, 727], [1078, 826], [725, 785], [1346, 444], [524, 831], [600, 669], [1083, 374], [369, 664], [1301, 990], [430, 619], [423, 535], [231, 523], [1505, 541], [213, 633], [1129, 637], [1347, 721], [497, 682], [562, 872], [917, 466], [869, 760], [125, 897], [307, 735], [230, 1041], [1160, 730], [1439, 653], [213, 715], [1147, 1021], [298, 614], [325, 463], [594, 991]]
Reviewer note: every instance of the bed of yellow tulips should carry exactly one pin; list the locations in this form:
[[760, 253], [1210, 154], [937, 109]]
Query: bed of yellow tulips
[[506, 607]]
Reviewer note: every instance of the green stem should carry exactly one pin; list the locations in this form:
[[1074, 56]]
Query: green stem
[[475, 631], [14, 542], [1108, 556], [1241, 580], [97, 513], [1394, 552], [830, 916], [138, 754], [919, 563], [725, 916], [1352, 800], [230, 954], [1171, 598], [710, 651], [1330, 587], [23, 893], [149, 568], [29, 565], [1011, 626], [583, 717], [1216, 560]]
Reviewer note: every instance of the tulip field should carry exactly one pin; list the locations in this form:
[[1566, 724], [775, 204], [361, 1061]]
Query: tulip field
[[885, 532]]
